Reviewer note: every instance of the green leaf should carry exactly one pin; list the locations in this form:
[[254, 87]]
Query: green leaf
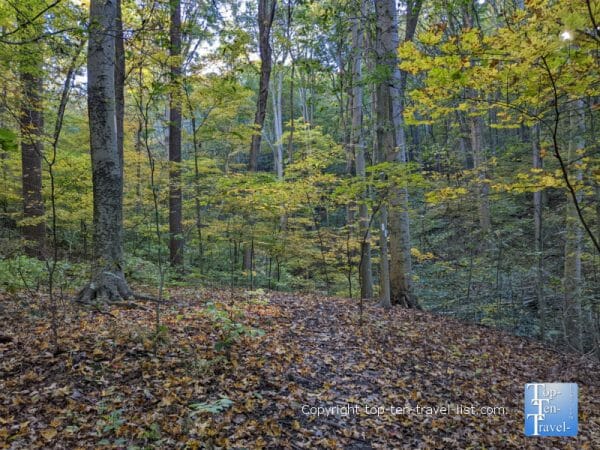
[[8, 140]]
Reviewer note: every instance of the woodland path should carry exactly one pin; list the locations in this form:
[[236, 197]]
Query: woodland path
[[107, 389]]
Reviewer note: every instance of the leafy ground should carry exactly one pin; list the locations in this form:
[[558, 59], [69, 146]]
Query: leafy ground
[[108, 388]]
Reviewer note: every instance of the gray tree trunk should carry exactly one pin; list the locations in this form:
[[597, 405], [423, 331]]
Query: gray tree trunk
[[382, 140], [32, 147], [358, 145], [384, 277], [538, 233], [278, 124], [175, 199], [108, 281], [119, 81], [573, 238], [266, 14], [476, 124], [479, 164], [395, 150]]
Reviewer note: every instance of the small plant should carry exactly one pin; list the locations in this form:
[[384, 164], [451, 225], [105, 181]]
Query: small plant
[[114, 421], [211, 407], [256, 297], [152, 433], [229, 327], [160, 335], [202, 366], [110, 424]]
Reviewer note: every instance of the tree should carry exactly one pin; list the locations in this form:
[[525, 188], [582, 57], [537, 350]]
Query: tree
[[358, 145], [538, 232], [108, 280], [573, 233], [476, 125], [393, 140], [175, 207], [32, 134], [266, 14], [32, 147], [119, 81]]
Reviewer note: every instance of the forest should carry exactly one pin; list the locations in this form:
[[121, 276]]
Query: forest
[[298, 223]]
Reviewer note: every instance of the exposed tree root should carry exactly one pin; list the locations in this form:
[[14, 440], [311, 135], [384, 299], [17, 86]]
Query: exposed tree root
[[111, 287], [144, 297], [107, 286]]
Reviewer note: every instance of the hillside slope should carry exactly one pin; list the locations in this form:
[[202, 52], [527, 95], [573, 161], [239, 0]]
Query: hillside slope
[[371, 385]]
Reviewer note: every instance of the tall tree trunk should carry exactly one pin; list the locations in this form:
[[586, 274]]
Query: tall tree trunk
[[108, 281], [266, 14], [175, 207], [119, 81], [573, 238], [32, 130], [479, 164], [395, 150], [384, 277], [382, 138], [198, 194], [278, 125], [538, 233], [358, 145], [476, 125]]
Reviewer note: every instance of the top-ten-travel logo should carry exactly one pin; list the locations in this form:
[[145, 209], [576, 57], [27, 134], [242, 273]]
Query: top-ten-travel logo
[[551, 409]]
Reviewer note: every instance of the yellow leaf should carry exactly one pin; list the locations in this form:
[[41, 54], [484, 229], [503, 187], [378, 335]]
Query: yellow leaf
[[55, 423], [49, 433]]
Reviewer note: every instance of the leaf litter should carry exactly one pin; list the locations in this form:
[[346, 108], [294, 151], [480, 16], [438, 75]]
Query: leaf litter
[[314, 379]]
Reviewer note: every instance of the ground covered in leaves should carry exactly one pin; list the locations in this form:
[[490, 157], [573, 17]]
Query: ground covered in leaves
[[252, 369]]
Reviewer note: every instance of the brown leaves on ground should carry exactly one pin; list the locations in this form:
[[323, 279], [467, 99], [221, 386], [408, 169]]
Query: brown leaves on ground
[[373, 383]]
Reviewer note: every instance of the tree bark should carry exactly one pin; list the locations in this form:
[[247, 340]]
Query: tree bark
[[573, 237], [175, 198], [384, 277], [395, 149], [108, 281], [381, 110], [475, 122], [278, 125], [32, 147], [483, 203], [266, 14], [119, 81], [358, 146], [538, 233]]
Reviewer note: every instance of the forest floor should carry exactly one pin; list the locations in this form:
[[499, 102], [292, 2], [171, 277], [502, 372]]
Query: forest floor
[[116, 383]]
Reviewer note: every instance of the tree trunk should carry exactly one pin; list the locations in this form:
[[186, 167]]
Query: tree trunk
[[119, 81], [108, 281], [198, 194], [32, 130], [395, 150], [380, 109], [476, 130], [278, 125], [573, 238], [475, 124], [290, 143], [538, 234], [384, 277], [358, 145], [175, 207], [266, 13]]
